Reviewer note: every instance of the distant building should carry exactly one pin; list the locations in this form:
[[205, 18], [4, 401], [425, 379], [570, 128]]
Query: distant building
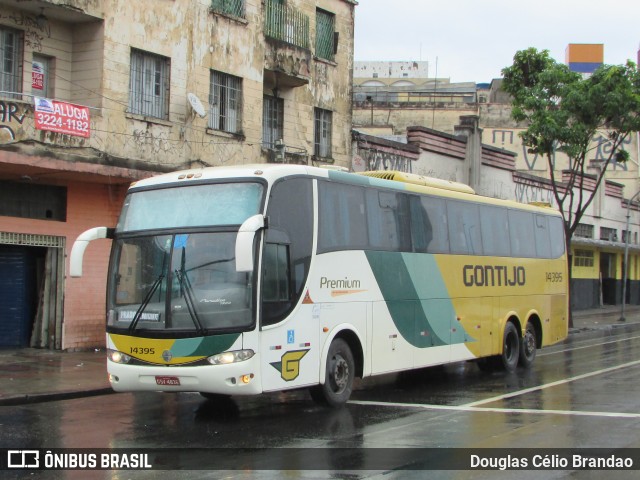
[[386, 73], [584, 58]]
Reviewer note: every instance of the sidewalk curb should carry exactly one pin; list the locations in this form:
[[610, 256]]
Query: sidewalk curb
[[604, 330], [52, 397]]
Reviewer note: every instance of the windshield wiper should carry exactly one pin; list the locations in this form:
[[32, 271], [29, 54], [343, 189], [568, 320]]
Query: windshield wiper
[[186, 290], [145, 302]]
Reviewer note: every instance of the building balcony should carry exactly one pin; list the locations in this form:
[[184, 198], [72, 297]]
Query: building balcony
[[286, 24], [37, 13], [287, 54]]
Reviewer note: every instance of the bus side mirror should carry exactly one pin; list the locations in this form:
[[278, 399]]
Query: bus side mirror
[[244, 242], [80, 245]]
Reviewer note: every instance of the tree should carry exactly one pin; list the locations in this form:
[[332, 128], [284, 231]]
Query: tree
[[563, 112]]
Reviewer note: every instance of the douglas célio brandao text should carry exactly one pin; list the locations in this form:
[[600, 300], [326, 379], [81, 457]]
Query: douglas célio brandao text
[[568, 461]]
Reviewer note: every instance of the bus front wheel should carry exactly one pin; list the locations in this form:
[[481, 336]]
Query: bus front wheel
[[338, 381], [510, 347]]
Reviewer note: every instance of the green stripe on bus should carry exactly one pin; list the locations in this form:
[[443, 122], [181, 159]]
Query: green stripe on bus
[[203, 346], [417, 298]]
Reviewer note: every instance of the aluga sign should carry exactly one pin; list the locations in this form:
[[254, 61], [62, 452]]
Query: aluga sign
[[242, 280]]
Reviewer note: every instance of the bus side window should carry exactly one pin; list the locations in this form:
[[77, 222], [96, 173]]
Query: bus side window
[[435, 225], [495, 231], [556, 229], [388, 222], [543, 240], [522, 232], [464, 228], [342, 217]]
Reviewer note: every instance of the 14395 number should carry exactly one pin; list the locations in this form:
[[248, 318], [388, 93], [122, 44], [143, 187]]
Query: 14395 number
[[142, 350], [553, 277]]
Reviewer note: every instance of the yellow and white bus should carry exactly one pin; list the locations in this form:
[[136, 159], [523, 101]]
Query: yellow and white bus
[[243, 280]]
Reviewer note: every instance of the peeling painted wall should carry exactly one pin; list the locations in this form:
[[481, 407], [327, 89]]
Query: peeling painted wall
[[92, 67]]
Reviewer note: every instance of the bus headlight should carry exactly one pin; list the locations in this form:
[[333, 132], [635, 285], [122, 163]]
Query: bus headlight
[[231, 357], [118, 357]]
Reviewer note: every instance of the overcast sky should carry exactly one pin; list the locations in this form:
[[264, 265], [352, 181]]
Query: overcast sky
[[473, 40]]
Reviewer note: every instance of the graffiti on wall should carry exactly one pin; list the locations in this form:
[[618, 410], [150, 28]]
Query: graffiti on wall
[[34, 29], [505, 138], [527, 193], [148, 142], [603, 150], [378, 160], [11, 115]]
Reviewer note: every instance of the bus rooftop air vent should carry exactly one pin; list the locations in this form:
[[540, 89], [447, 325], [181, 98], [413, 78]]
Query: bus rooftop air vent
[[420, 180]]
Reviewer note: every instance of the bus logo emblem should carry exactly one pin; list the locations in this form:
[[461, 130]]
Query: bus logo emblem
[[289, 364], [167, 356]]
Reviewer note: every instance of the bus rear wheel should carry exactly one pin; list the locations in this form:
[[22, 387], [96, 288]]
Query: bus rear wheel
[[338, 381], [528, 346], [510, 347]]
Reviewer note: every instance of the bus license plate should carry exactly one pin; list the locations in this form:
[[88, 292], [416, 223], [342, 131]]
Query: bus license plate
[[167, 380]]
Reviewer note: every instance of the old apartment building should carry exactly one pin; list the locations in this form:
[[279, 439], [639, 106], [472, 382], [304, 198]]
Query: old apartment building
[[95, 94]]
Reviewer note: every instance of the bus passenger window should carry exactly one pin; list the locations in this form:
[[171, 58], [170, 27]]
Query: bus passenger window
[[556, 229], [342, 220], [495, 231], [429, 225], [521, 228], [464, 228], [543, 241], [388, 221]]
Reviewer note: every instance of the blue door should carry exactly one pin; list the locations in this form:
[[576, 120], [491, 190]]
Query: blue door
[[18, 294]]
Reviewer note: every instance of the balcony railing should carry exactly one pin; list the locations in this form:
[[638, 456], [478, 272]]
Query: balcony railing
[[229, 7], [287, 24]]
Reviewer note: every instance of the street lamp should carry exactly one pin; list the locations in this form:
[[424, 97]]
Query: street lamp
[[626, 259]]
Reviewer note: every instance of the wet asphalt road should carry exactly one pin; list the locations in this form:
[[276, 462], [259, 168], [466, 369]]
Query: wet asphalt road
[[585, 394]]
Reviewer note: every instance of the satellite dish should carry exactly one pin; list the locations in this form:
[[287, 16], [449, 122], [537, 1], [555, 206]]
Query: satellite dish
[[196, 104]]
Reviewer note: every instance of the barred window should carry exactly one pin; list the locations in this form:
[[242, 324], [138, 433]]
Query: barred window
[[230, 7], [225, 102], [325, 41], [272, 121], [322, 134], [583, 230], [583, 258], [149, 85], [610, 234], [10, 63]]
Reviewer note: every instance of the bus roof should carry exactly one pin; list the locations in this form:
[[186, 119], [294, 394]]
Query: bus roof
[[387, 179]]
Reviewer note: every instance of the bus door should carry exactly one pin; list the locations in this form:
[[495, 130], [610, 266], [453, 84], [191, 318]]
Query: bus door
[[288, 336]]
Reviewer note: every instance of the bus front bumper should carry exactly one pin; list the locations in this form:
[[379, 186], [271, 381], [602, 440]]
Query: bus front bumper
[[240, 378]]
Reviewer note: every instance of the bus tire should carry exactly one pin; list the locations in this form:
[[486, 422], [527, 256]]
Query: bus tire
[[528, 346], [338, 381], [510, 347]]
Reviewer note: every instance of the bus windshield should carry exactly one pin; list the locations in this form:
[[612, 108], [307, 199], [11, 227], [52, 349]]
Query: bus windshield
[[180, 282], [173, 265], [206, 205]]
